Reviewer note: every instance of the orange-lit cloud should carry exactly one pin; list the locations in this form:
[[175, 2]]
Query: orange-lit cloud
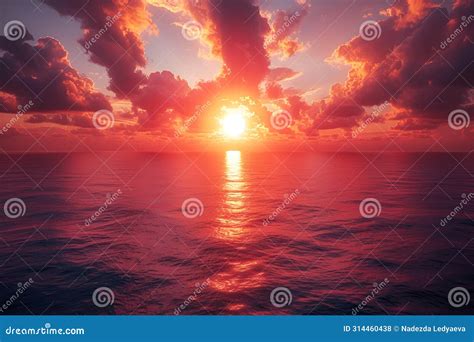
[[285, 24], [411, 67]]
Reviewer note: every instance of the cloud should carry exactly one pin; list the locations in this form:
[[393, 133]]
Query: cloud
[[282, 74], [409, 66], [42, 73], [235, 30], [8, 102], [163, 93], [284, 25], [111, 34], [174, 6], [337, 111], [78, 120], [240, 31], [274, 90], [411, 124]]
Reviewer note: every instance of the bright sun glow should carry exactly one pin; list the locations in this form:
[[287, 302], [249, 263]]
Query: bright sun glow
[[234, 121]]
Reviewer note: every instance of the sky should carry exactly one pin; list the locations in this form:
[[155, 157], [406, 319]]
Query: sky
[[161, 75]]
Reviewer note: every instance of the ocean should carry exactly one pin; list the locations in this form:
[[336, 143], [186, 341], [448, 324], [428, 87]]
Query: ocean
[[237, 233]]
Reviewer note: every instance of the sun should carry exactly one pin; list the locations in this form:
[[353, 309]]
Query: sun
[[234, 121]]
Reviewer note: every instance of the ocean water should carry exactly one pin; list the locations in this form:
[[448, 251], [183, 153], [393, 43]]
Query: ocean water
[[270, 234]]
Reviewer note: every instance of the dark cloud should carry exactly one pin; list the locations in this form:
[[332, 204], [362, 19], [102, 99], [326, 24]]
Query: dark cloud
[[111, 31], [42, 73], [412, 66], [235, 30], [240, 31], [163, 93], [79, 120]]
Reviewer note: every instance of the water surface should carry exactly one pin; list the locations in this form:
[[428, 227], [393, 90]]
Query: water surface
[[318, 246]]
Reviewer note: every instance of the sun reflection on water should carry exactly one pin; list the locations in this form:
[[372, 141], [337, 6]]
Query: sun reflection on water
[[233, 226], [232, 218]]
